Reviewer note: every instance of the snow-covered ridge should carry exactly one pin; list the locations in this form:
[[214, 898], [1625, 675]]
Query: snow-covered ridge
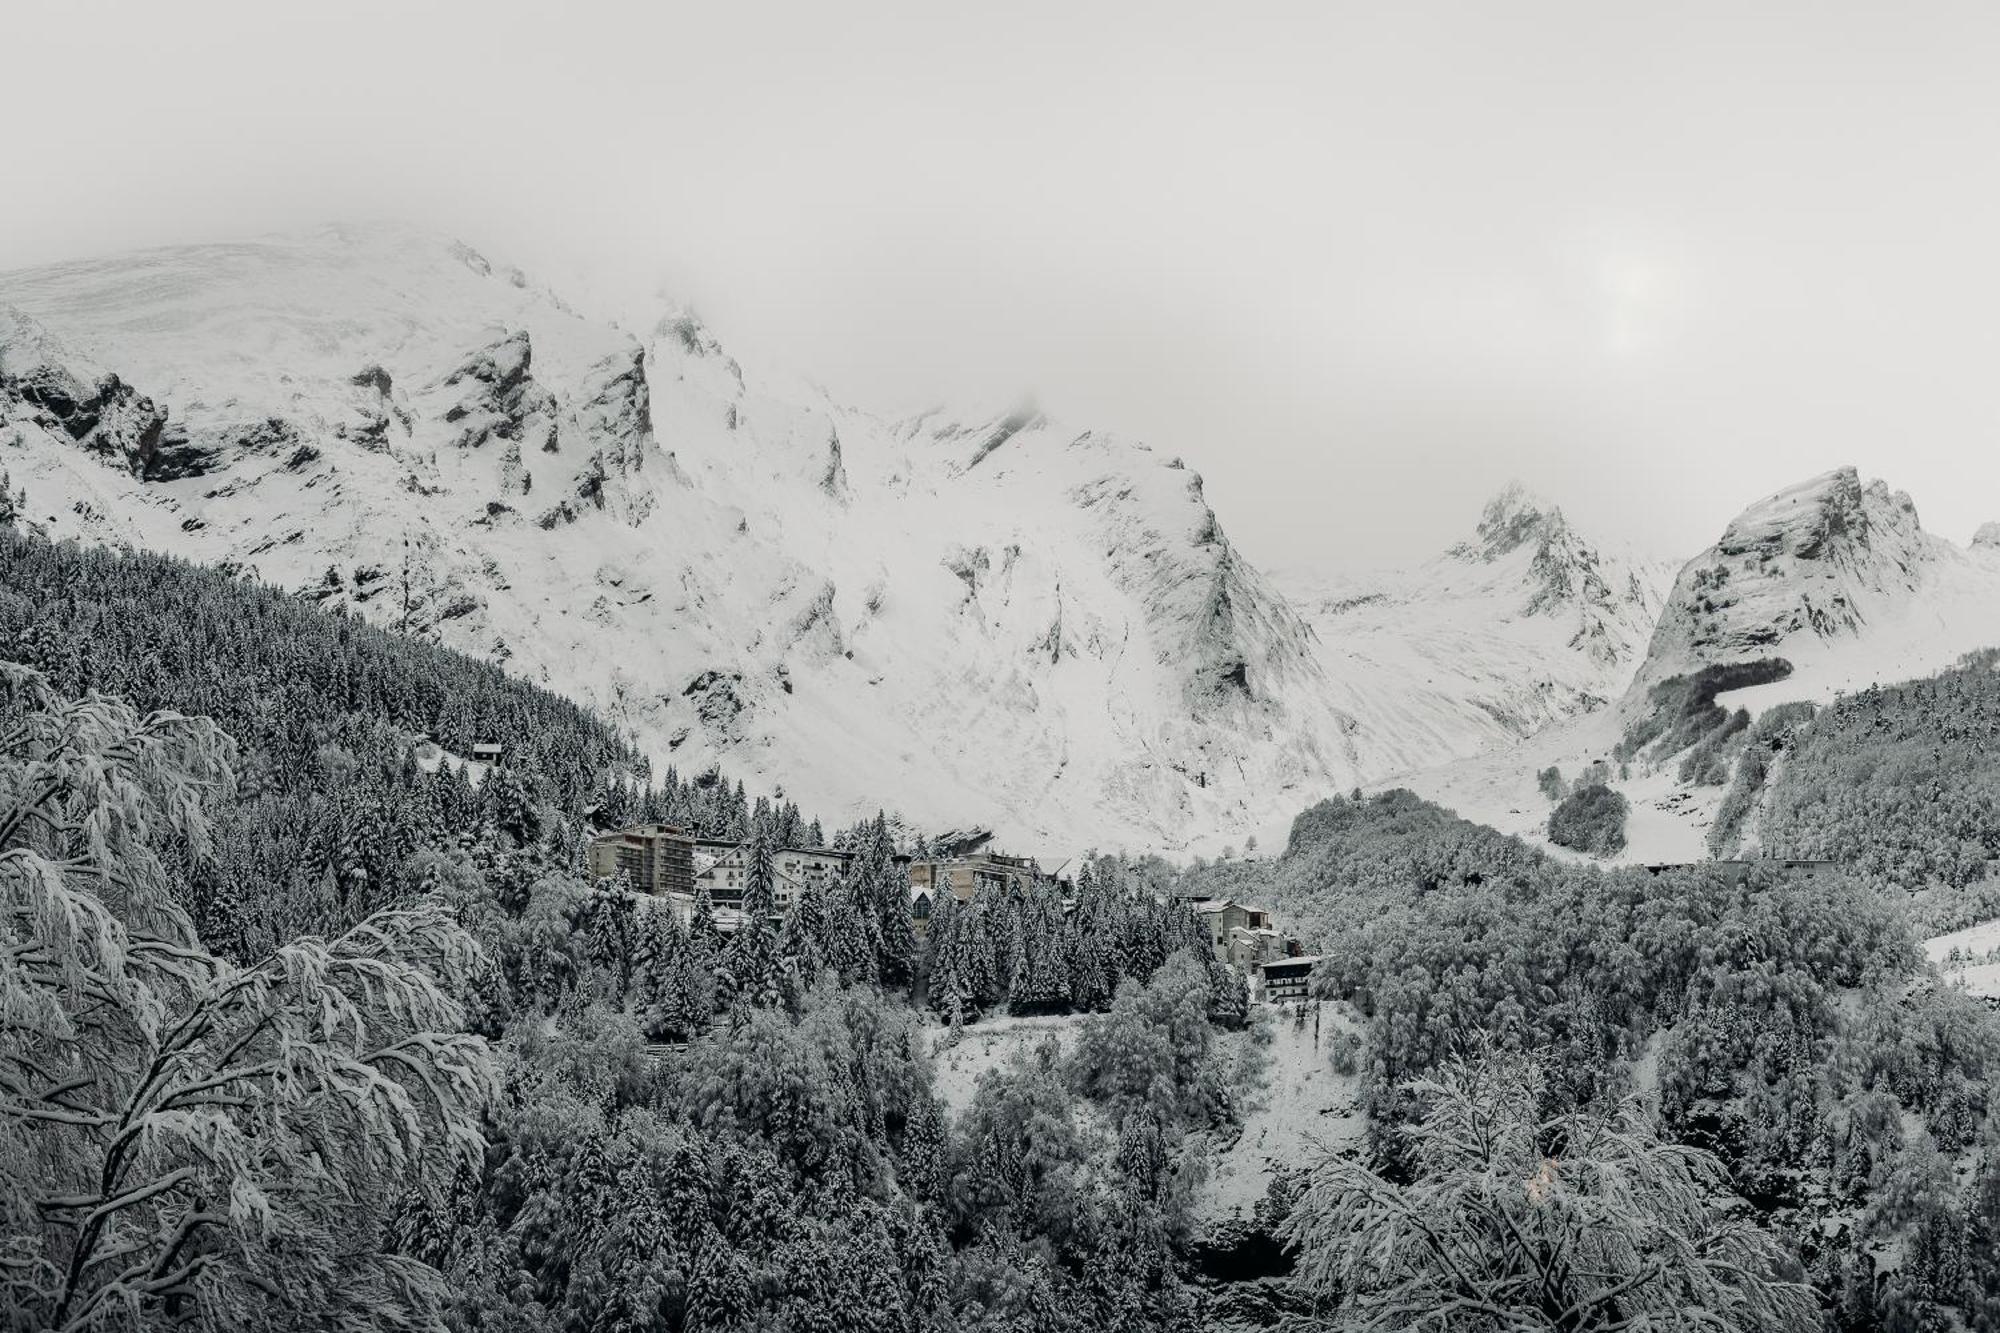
[[999, 619], [1004, 620], [1526, 624], [1837, 577]]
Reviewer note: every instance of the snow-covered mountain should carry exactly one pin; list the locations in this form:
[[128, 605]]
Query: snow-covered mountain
[[1836, 577], [1839, 579], [999, 621], [1526, 624]]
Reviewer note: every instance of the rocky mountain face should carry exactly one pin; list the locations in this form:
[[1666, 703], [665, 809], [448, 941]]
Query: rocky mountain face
[[1611, 604], [1829, 574], [1000, 620], [1003, 621], [67, 396], [1828, 586], [1525, 624]]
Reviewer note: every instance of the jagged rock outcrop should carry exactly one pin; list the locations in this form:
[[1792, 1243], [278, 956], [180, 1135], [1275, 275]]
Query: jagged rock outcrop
[[615, 411], [497, 398], [1987, 538], [614, 415], [1233, 641], [1814, 562], [1612, 609], [968, 567], [833, 479], [61, 391]]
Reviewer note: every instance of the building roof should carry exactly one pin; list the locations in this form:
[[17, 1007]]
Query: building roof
[[642, 831], [1210, 906], [1305, 960], [727, 845]]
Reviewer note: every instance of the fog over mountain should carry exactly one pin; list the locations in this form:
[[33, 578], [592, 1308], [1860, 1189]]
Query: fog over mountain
[[1004, 620], [1361, 265]]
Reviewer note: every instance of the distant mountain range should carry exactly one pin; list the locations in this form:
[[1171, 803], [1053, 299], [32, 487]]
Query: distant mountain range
[[1005, 621]]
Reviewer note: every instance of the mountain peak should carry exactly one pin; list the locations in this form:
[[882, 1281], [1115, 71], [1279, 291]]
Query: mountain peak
[[1818, 517], [1511, 519], [1987, 538], [1818, 561]]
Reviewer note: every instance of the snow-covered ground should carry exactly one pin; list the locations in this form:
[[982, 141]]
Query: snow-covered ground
[[1302, 1109], [1667, 821], [1969, 958], [988, 1045]]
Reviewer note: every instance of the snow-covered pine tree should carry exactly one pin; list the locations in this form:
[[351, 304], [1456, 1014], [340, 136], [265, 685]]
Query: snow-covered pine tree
[[192, 1140], [751, 959], [804, 942], [1621, 1232]]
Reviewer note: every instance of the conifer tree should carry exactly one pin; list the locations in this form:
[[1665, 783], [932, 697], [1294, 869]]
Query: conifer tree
[[718, 1293], [190, 1140], [752, 960], [804, 943]]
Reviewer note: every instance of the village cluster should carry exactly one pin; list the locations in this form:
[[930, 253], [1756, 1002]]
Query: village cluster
[[669, 863]]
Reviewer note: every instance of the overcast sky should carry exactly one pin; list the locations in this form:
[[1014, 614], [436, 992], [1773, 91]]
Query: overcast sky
[[1360, 264]]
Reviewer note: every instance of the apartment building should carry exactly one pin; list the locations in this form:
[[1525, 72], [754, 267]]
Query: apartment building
[[652, 858]]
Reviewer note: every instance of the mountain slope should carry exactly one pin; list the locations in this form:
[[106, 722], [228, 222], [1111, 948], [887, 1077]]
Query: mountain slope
[[1836, 580], [1527, 624], [1001, 621]]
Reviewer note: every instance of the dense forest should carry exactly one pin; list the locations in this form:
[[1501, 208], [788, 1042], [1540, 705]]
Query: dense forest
[[1805, 1069], [294, 1023], [1899, 782], [430, 1077], [327, 713]]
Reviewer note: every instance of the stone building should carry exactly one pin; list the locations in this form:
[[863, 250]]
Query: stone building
[[1221, 917]]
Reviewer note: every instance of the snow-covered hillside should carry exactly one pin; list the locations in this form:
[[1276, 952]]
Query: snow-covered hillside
[[1005, 621], [1002, 621], [1835, 577], [1526, 624]]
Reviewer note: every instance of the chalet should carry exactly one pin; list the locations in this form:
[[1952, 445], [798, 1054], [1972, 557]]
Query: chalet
[[487, 752], [1284, 979], [652, 858]]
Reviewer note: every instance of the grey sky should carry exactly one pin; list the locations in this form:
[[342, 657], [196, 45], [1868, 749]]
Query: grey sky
[[1358, 263]]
